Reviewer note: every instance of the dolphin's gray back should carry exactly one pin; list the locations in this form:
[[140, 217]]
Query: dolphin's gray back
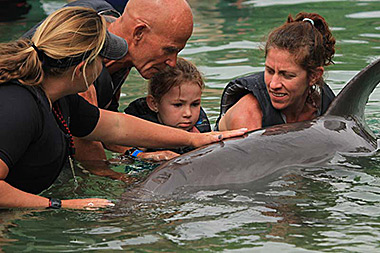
[[354, 96], [261, 153]]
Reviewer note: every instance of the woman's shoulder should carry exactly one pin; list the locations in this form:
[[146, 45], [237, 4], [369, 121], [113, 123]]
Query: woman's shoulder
[[249, 79], [17, 93]]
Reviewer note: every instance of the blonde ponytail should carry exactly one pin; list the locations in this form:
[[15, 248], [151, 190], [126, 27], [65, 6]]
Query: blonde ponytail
[[67, 32]]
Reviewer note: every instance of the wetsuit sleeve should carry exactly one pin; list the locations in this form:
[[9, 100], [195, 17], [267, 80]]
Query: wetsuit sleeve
[[83, 116], [20, 124]]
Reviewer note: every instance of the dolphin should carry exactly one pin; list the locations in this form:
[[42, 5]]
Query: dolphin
[[341, 129]]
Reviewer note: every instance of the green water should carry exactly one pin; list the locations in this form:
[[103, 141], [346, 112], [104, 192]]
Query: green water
[[331, 208]]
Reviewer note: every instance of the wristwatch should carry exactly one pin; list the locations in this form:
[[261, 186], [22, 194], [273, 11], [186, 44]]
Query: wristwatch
[[54, 203]]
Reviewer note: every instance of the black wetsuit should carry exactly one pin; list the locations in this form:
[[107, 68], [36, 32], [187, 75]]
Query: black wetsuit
[[107, 86], [140, 108], [32, 145], [255, 85]]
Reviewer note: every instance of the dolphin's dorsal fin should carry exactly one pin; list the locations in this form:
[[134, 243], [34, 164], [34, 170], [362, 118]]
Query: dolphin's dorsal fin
[[352, 99]]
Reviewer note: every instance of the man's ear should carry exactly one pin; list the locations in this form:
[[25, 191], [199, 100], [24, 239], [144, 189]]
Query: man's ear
[[139, 32], [317, 75], [152, 103]]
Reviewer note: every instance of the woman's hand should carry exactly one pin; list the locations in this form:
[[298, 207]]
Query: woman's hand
[[198, 140], [88, 204]]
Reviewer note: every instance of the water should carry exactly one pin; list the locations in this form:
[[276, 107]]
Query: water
[[331, 208]]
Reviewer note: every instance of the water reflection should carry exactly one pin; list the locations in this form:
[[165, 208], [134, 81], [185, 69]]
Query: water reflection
[[367, 14]]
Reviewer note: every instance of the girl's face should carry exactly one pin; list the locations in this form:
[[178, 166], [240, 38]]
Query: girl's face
[[180, 107], [286, 81]]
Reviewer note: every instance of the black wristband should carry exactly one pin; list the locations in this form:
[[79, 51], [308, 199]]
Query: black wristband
[[54, 203]]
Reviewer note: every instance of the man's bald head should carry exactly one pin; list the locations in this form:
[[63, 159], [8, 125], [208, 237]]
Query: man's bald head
[[156, 11], [156, 30], [158, 15]]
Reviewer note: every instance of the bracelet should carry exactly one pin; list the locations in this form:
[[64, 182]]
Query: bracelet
[[133, 152], [54, 203]]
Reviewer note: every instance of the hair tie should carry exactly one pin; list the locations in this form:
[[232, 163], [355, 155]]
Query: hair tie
[[40, 54], [308, 20]]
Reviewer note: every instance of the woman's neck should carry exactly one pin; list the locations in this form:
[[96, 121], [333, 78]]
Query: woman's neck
[[308, 112], [300, 112], [304, 111], [56, 87]]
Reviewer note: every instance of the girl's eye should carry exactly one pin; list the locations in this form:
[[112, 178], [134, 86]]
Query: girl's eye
[[195, 104], [177, 105]]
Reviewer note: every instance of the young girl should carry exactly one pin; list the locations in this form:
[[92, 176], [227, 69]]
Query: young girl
[[174, 99]]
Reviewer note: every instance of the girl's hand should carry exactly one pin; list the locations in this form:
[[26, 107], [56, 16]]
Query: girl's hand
[[158, 156], [198, 140], [88, 204]]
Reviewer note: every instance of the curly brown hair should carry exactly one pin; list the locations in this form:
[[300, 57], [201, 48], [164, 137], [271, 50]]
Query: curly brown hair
[[311, 42]]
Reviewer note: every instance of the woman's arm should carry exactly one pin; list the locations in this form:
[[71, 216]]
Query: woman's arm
[[127, 130], [13, 197], [245, 113]]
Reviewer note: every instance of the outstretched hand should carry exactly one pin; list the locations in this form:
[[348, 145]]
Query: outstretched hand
[[158, 156], [199, 140], [88, 204]]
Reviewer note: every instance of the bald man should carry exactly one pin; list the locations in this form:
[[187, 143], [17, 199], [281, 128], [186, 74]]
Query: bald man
[[155, 30]]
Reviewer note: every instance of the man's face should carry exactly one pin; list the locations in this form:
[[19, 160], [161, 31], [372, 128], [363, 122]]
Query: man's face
[[158, 49]]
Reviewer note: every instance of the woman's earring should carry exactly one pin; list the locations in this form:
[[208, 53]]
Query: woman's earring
[[310, 95], [314, 87]]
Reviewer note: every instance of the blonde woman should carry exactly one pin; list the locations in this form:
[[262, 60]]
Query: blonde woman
[[41, 111]]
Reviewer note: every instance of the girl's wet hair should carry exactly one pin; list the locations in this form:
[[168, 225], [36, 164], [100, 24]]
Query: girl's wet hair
[[308, 38], [67, 32], [163, 81]]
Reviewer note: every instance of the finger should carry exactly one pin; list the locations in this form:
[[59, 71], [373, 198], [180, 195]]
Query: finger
[[232, 133], [98, 203]]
